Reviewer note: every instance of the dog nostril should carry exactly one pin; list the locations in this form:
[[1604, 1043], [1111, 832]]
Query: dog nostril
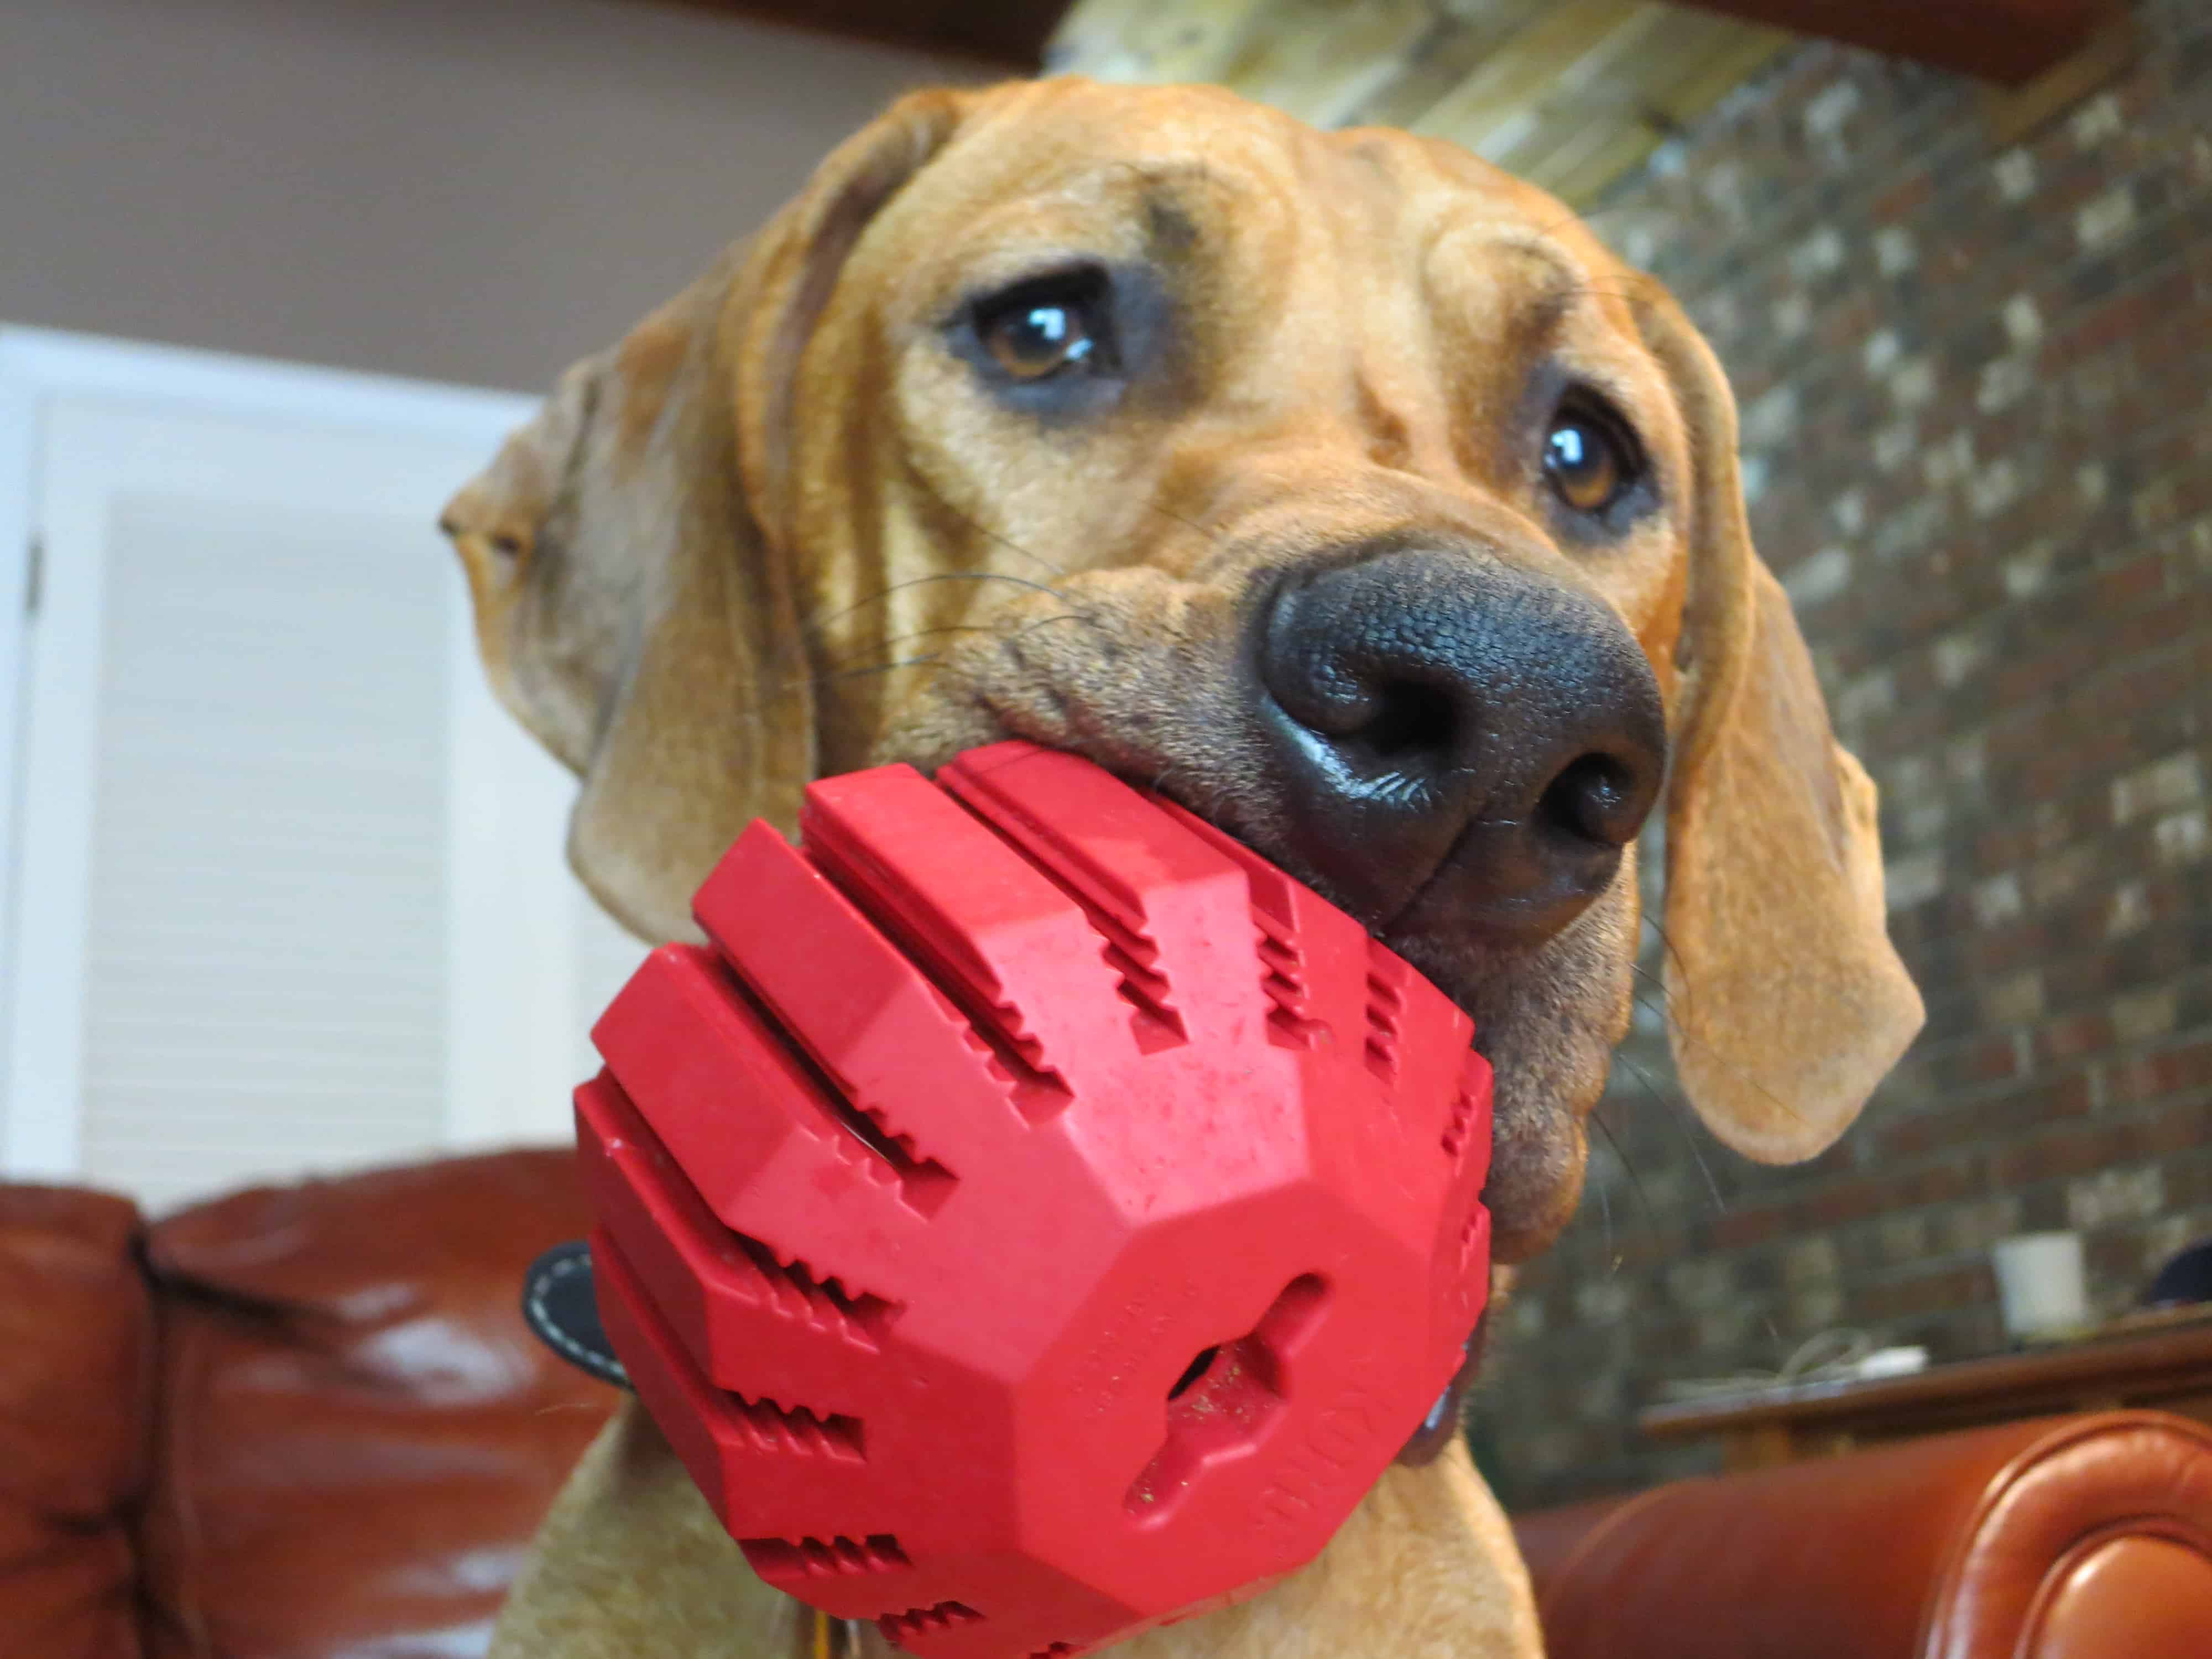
[[1410, 719], [1192, 1372], [1453, 729], [1595, 798]]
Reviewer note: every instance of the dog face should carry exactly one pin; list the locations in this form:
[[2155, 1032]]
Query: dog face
[[1335, 486]]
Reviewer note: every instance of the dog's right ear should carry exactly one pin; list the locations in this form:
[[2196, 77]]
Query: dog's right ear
[[1787, 1002], [627, 556]]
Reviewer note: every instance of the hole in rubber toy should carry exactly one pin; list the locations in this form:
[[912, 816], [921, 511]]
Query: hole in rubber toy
[[1227, 1398], [1192, 1372]]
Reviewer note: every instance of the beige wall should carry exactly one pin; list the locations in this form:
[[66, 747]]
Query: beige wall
[[476, 190]]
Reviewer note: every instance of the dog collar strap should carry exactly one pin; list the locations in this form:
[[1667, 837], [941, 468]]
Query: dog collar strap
[[561, 1306], [832, 1638]]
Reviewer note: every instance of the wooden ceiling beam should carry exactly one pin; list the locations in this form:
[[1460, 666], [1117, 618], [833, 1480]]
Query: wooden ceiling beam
[[2007, 41], [1005, 34]]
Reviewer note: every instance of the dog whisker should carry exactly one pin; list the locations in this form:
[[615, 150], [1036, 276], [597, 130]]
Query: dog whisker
[[916, 475], [1666, 945], [1604, 1217], [1217, 537], [910, 638], [884, 594], [838, 669], [1635, 1181], [1033, 625], [1671, 1101], [863, 671], [1661, 1007]]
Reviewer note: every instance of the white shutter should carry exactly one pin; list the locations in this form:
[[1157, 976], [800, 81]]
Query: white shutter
[[265, 972], [288, 895]]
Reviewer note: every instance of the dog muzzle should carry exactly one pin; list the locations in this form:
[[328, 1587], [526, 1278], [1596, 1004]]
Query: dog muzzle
[[1035, 1218]]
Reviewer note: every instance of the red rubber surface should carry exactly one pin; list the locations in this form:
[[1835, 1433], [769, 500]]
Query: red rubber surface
[[993, 1107]]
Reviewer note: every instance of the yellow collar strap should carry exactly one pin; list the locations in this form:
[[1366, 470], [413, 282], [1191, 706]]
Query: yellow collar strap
[[834, 1639]]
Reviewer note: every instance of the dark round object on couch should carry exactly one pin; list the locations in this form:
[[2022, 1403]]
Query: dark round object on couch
[[2187, 1278]]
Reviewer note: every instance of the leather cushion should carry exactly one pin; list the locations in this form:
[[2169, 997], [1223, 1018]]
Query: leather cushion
[[2093, 1481], [1936, 1547], [359, 1434], [2146, 1598], [75, 1366]]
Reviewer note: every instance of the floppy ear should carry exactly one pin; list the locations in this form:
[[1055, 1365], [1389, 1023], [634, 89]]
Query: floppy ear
[[1788, 1002], [633, 589]]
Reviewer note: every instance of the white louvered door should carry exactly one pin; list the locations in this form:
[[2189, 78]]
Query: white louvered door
[[288, 893]]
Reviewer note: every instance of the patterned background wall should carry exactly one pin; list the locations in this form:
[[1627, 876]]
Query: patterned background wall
[[1976, 387], [1976, 375]]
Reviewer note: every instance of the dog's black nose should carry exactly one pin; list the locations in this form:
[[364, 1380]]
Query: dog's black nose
[[1449, 722]]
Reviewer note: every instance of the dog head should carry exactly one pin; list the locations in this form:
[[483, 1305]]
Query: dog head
[[1336, 485]]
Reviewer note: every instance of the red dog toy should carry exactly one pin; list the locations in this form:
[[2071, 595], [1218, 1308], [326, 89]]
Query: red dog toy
[[1037, 1218]]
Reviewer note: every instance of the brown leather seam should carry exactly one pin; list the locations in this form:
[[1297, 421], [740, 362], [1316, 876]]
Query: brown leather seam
[[1995, 1490], [2164, 1527]]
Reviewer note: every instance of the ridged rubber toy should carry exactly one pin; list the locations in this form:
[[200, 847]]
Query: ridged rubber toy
[[1037, 1217]]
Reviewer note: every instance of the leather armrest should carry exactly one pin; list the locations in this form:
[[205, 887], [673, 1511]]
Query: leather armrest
[[77, 1369], [2058, 1538], [359, 1435]]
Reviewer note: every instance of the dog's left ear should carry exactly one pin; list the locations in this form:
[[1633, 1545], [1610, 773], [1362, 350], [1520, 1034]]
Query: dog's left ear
[[1788, 1002], [628, 556]]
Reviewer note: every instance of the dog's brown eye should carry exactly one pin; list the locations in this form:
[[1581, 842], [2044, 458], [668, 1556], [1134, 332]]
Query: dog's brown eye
[[1586, 462], [1055, 330], [1031, 339]]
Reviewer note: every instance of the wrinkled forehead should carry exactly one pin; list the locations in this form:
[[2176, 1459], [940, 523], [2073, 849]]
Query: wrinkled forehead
[[1195, 178]]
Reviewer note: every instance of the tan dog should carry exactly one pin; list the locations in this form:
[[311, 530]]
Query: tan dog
[[1335, 484]]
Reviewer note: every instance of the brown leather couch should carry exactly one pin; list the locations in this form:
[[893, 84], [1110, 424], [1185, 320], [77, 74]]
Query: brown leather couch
[[307, 1423], [2082, 1537], [297, 1423]]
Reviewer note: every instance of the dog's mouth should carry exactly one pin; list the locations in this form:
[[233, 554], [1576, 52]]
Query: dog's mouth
[[1539, 1001], [1446, 1418], [1174, 708], [1506, 980]]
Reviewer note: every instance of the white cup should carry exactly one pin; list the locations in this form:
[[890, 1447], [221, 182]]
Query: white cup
[[2040, 1285]]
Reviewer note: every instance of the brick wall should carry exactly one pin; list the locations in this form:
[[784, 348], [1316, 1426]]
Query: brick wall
[[1976, 386]]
